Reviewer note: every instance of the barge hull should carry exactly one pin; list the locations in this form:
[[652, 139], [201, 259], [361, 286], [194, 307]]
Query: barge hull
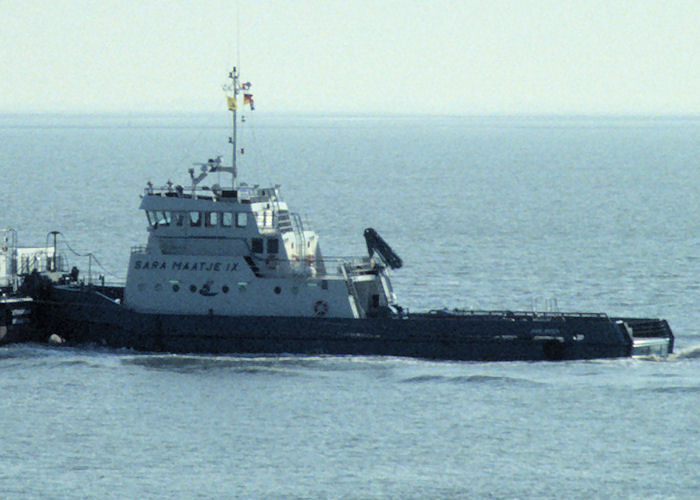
[[16, 325]]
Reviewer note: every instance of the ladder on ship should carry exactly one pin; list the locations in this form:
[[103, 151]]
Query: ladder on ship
[[352, 291], [299, 235]]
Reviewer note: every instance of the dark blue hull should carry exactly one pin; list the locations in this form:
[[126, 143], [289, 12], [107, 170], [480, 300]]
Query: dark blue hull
[[16, 321], [83, 315]]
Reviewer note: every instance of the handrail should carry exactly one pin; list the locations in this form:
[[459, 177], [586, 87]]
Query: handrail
[[244, 191], [514, 314], [298, 227]]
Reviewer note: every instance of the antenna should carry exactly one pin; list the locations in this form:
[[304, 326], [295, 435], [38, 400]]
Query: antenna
[[238, 34], [234, 77], [236, 87], [233, 105]]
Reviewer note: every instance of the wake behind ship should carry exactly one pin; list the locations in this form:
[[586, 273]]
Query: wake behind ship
[[232, 269]]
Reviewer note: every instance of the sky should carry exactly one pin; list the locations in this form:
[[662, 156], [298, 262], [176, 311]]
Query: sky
[[353, 56]]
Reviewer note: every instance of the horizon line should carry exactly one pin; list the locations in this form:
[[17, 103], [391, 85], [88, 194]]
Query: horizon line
[[493, 114]]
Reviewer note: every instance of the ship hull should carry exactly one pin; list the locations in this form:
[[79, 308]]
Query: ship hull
[[16, 321], [85, 315]]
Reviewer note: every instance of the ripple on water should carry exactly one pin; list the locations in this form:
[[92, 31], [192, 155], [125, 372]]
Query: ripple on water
[[471, 379]]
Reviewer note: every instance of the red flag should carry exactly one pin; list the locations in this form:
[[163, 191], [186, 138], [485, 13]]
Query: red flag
[[248, 99]]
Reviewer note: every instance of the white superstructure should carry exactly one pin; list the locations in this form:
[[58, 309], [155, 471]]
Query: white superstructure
[[16, 261], [239, 250]]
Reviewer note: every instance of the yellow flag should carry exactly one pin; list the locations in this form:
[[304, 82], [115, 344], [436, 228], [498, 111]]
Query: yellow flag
[[231, 103]]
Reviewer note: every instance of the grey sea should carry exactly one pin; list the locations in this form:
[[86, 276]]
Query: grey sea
[[596, 214]]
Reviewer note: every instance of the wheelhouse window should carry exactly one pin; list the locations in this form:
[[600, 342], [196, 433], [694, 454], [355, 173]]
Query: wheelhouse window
[[241, 219], [264, 218], [158, 218], [227, 219], [179, 218], [256, 245], [195, 219], [212, 219], [273, 245]]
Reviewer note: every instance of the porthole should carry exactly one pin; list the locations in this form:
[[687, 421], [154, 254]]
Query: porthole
[[277, 290], [176, 288], [224, 289], [193, 288]]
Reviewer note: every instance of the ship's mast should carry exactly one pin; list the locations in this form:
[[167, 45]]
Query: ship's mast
[[236, 87], [232, 106]]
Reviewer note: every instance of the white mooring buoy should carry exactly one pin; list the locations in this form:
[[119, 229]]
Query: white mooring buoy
[[56, 339]]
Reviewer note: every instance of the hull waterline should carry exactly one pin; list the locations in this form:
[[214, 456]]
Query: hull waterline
[[84, 315]]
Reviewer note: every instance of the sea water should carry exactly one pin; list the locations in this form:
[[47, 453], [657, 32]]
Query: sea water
[[595, 214]]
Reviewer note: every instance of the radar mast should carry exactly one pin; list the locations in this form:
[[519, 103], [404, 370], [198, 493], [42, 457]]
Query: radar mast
[[235, 88]]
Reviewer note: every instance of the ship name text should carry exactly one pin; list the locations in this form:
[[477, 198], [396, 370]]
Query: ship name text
[[187, 266]]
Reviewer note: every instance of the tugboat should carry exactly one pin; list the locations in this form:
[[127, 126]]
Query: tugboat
[[231, 269]]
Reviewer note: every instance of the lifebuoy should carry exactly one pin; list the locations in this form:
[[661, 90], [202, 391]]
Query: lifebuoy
[[320, 308]]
